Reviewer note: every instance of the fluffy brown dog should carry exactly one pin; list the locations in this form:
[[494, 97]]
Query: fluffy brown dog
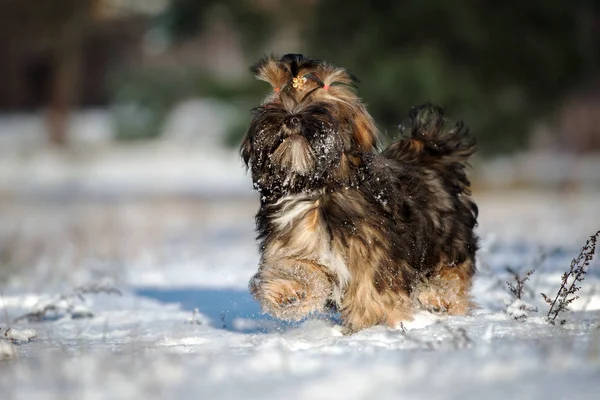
[[374, 234]]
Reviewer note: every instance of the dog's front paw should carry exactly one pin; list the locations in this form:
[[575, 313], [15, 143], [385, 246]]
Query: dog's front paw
[[287, 299], [284, 293], [291, 289], [430, 301]]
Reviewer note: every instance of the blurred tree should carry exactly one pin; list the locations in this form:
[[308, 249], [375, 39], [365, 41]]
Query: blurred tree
[[55, 27], [69, 21], [143, 97], [496, 64], [185, 18]]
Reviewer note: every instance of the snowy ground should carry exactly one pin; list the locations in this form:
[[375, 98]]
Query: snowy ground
[[169, 257], [145, 296]]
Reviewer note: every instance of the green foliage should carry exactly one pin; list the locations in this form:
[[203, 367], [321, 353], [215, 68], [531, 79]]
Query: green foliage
[[141, 101], [495, 64], [185, 18]]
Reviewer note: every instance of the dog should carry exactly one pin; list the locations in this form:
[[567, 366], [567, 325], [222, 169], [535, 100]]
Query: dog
[[375, 235]]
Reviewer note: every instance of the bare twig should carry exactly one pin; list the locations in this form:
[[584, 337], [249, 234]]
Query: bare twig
[[423, 344], [568, 286], [459, 338], [519, 287], [67, 303]]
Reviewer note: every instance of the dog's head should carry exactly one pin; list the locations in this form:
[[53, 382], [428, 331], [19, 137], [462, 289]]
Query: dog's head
[[309, 127]]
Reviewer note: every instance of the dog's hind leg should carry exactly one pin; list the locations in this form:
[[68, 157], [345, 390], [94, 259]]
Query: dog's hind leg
[[364, 306]]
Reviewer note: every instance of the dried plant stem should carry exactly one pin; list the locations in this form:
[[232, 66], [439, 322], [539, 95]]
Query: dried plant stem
[[568, 286], [518, 289]]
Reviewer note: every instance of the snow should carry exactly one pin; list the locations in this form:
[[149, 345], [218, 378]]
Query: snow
[[146, 296], [7, 350], [182, 323], [93, 166], [519, 309], [20, 336]]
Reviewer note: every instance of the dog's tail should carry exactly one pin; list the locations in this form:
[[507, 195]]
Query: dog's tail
[[431, 145]]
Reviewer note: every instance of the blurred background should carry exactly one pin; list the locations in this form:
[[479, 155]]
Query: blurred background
[[120, 119]]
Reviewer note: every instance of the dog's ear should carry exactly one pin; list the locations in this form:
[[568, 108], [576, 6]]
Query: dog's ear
[[365, 130], [246, 149], [340, 85], [270, 70]]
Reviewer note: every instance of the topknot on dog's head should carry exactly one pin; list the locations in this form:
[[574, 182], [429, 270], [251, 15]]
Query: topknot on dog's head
[[281, 72], [335, 76], [269, 70], [295, 68], [298, 65]]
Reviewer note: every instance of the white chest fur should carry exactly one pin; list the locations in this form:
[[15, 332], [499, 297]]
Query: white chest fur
[[300, 218]]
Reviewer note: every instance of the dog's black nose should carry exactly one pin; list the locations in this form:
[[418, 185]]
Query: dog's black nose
[[292, 121]]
